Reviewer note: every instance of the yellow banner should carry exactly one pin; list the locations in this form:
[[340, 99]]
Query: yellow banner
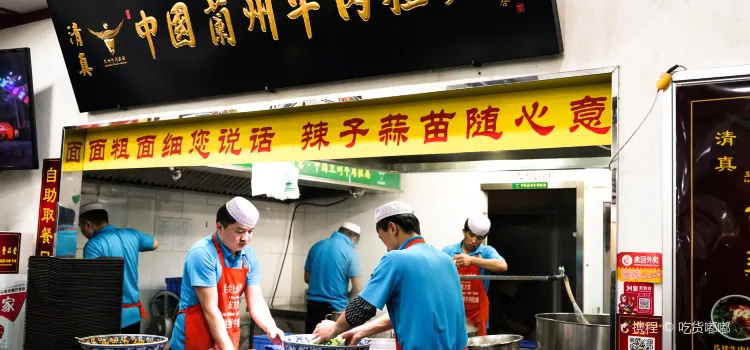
[[562, 117]]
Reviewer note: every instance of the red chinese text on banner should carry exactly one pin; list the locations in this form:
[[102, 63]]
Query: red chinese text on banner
[[48, 199], [11, 303]]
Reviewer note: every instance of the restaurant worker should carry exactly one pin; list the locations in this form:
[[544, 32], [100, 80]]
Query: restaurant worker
[[330, 264], [473, 258], [105, 240], [218, 269], [417, 282]]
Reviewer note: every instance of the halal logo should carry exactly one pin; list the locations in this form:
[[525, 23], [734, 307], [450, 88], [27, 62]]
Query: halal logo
[[108, 36]]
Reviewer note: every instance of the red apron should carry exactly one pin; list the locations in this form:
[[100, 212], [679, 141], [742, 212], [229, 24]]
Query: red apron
[[419, 240], [138, 305], [230, 287], [476, 302]]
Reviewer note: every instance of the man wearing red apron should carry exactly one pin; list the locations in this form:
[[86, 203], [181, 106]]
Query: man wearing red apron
[[218, 270], [424, 311], [105, 240], [472, 259]]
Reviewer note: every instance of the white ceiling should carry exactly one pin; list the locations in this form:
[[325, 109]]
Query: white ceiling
[[23, 6]]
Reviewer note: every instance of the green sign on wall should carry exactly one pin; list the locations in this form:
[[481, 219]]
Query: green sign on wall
[[346, 174], [529, 185]]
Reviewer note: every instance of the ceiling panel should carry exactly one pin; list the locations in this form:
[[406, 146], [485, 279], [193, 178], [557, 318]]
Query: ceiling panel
[[23, 6]]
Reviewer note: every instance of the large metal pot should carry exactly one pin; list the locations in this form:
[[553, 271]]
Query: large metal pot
[[495, 342], [561, 331]]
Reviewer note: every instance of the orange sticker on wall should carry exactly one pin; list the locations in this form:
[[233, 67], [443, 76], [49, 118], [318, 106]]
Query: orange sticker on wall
[[639, 267]]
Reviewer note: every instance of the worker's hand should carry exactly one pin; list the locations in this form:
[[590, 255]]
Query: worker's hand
[[353, 336], [324, 331], [275, 334], [463, 260]]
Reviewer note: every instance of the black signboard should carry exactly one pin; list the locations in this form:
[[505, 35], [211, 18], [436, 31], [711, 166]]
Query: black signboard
[[712, 252], [122, 53]]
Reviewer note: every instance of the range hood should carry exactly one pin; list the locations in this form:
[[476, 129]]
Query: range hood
[[235, 180]]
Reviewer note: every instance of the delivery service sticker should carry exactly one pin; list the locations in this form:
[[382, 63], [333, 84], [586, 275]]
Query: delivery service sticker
[[639, 267]]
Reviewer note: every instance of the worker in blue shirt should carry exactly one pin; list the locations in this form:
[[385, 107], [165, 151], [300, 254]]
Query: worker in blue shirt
[[472, 258], [418, 283], [218, 270], [105, 240], [330, 264]]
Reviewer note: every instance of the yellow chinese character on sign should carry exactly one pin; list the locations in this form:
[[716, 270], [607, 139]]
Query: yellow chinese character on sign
[[50, 195], [317, 166], [725, 163], [364, 13], [15, 250], [303, 10], [48, 215], [346, 171], [4, 250], [45, 253], [51, 176], [221, 23], [146, 28], [354, 172], [341, 170], [324, 168], [75, 33], [725, 138], [504, 3], [46, 235], [180, 27], [367, 174], [85, 69], [257, 11], [361, 173], [406, 6]]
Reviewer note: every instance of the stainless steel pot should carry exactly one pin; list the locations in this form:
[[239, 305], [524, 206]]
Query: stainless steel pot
[[561, 331], [495, 342]]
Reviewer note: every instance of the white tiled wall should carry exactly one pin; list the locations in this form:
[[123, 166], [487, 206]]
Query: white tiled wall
[[442, 201]]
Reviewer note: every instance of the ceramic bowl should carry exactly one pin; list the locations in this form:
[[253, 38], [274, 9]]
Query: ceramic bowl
[[302, 342], [123, 342]]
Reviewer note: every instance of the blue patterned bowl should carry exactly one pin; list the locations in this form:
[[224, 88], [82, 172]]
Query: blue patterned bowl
[[302, 342], [123, 342]]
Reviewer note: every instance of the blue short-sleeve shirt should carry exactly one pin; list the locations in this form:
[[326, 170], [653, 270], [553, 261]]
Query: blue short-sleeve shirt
[[126, 243], [484, 251], [203, 269], [405, 280], [331, 263]]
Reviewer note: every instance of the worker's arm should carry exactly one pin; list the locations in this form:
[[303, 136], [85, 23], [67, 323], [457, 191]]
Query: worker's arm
[[379, 325], [490, 260], [355, 274], [379, 289], [257, 304], [307, 277], [357, 285], [146, 242], [308, 263], [209, 299]]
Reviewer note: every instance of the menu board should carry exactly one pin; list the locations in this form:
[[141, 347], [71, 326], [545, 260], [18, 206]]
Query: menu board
[[712, 250]]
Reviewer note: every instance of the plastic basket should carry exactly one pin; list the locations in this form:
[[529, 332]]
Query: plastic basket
[[174, 284], [528, 344], [261, 341]]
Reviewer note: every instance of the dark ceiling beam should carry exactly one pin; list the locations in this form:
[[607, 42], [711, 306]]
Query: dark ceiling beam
[[8, 12], [24, 18]]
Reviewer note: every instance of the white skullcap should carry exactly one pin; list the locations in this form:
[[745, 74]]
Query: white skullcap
[[351, 227], [91, 207], [243, 211], [391, 209], [479, 225]]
